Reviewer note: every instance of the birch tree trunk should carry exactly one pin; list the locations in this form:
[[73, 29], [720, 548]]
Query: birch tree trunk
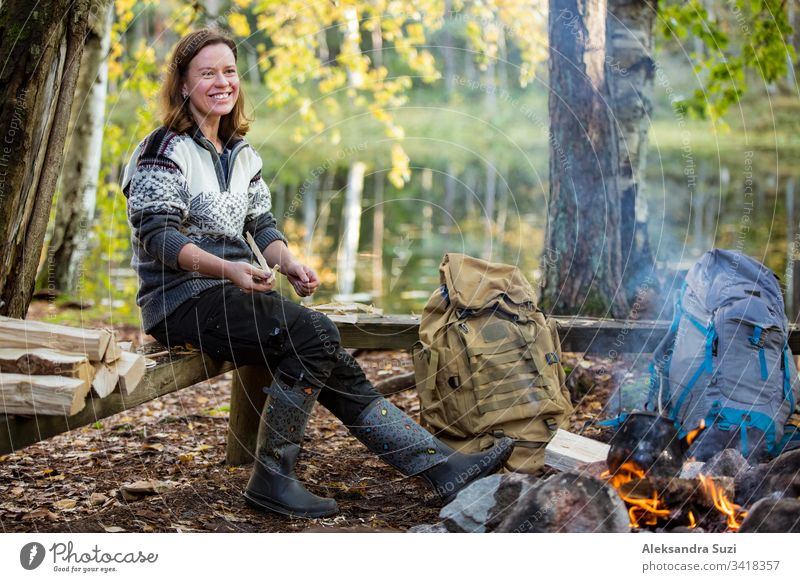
[[351, 229], [629, 73], [78, 181], [41, 52], [378, 223], [583, 258]]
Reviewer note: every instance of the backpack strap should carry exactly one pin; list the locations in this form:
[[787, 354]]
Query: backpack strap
[[707, 366], [758, 340], [659, 364], [433, 370], [787, 381]]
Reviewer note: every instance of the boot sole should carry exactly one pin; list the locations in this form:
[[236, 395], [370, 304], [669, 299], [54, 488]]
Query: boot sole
[[490, 470], [265, 504]]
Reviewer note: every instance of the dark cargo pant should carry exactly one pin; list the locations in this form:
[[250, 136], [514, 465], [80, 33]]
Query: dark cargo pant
[[268, 330]]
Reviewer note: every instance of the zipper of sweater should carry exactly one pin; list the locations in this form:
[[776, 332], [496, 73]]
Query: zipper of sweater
[[231, 160], [217, 163]]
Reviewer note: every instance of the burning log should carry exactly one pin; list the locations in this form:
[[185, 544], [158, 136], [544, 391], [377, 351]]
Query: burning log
[[654, 500]]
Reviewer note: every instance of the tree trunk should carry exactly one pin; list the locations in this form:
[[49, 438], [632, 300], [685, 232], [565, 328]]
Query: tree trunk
[[377, 239], [792, 258], [37, 85], [309, 213], [583, 258], [488, 208], [78, 181], [629, 74], [448, 54], [351, 229]]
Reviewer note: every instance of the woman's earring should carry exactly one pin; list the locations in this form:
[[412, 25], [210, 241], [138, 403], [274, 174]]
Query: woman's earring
[[185, 94]]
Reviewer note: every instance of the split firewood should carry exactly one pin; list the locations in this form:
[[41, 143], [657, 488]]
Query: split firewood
[[567, 451], [28, 334], [131, 369], [46, 395], [113, 352], [105, 378], [126, 346], [45, 362]]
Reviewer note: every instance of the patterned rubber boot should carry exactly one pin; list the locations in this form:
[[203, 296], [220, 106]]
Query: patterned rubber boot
[[398, 440], [274, 485]]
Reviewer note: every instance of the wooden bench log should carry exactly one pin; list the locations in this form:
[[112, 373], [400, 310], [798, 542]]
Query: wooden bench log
[[578, 334], [173, 373]]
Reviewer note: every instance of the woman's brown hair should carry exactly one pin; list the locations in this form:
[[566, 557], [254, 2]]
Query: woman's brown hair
[[175, 108]]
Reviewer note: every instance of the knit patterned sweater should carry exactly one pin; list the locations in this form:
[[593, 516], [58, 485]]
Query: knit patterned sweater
[[178, 193]]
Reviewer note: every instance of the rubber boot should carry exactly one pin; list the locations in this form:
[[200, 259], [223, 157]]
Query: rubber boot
[[274, 485], [397, 439]]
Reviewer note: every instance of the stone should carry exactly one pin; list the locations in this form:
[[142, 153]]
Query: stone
[[482, 504], [773, 516], [568, 502], [691, 469], [726, 463], [778, 478], [428, 528]]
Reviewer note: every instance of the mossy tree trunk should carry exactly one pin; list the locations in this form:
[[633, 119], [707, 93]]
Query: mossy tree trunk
[[78, 181], [41, 50], [583, 256]]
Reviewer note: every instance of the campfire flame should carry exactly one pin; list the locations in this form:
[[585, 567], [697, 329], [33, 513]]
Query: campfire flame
[[646, 511], [692, 520], [695, 433], [640, 510], [732, 511]]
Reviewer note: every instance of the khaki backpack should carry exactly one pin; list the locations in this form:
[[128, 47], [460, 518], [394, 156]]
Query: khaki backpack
[[488, 363]]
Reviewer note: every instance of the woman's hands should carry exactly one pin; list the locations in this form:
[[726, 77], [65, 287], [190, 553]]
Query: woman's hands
[[249, 278], [252, 279], [303, 278]]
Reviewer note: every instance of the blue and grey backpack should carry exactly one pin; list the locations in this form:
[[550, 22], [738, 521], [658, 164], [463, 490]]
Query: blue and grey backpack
[[725, 364]]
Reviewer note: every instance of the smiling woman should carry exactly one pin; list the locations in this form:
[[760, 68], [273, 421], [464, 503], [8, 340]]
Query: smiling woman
[[194, 191]]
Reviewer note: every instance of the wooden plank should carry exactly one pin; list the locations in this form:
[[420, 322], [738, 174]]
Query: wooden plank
[[169, 375], [577, 334], [568, 451], [41, 395], [24, 333]]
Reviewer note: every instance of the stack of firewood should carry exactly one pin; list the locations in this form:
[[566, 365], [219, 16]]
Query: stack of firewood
[[49, 369]]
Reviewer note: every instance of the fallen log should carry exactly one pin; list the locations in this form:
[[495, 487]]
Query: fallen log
[[42, 395], [23, 333], [396, 384]]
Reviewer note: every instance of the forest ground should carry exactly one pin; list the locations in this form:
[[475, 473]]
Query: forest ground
[[75, 482]]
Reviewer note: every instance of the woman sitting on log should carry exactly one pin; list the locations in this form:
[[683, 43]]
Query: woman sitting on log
[[194, 190]]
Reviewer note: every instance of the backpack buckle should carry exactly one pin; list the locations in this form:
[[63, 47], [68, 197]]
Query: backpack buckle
[[551, 423], [498, 433]]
